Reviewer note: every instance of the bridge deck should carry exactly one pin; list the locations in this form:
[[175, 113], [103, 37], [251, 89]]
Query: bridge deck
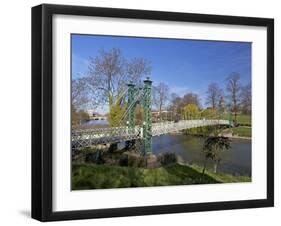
[[90, 137]]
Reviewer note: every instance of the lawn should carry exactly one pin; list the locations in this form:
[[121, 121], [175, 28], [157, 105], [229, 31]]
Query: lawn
[[241, 119], [91, 176], [242, 131]]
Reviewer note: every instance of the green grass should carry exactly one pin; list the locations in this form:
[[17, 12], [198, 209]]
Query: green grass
[[241, 119], [242, 131], [90, 176]]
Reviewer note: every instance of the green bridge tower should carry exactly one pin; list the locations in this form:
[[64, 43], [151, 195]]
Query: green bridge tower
[[147, 125], [147, 122]]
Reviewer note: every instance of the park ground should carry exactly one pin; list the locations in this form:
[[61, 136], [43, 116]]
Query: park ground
[[93, 176], [244, 128], [101, 176]]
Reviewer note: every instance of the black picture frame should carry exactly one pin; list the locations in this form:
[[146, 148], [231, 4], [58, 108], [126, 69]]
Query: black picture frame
[[42, 111]]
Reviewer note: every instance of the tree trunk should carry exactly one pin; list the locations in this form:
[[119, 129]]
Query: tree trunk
[[204, 167], [216, 166], [160, 113]]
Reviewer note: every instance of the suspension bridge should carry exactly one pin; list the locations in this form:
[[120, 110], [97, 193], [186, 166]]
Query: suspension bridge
[[132, 132]]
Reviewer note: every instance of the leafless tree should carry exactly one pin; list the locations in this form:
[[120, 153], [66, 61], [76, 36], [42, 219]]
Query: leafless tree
[[105, 75], [191, 98], [178, 103], [214, 95], [109, 72], [233, 88], [137, 68], [160, 96], [246, 99], [80, 96]]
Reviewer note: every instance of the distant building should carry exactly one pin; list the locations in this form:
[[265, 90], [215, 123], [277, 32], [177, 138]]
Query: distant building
[[92, 113], [95, 115]]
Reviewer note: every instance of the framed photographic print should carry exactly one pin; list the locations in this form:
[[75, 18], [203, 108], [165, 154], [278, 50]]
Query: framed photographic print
[[146, 112]]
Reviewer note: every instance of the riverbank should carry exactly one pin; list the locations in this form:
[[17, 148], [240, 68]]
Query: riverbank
[[93, 176], [240, 132]]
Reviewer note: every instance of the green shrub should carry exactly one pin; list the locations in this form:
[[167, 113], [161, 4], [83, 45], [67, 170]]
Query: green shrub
[[132, 160], [167, 158], [124, 160], [94, 157]]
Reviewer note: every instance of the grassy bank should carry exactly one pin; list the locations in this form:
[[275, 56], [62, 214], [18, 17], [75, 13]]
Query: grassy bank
[[241, 119], [242, 131], [91, 176]]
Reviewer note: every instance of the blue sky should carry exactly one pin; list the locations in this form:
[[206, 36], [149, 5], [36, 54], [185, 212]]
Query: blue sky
[[185, 65]]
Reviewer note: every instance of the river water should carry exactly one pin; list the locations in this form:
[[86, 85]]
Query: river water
[[236, 161]]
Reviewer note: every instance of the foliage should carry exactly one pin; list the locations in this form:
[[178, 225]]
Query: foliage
[[116, 112], [209, 113], [191, 111], [178, 103], [213, 147], [94, 157]]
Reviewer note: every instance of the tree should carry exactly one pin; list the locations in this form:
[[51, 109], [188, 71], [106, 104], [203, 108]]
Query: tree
[[233, 88], [108, 74], [79, 95], [213, 147], [79, 101], [77, 117], [214, 95], [191, 111], [191, 98], [139, 115], [209, 113], [116, 113], [160, 96], [246, 99], [221, 106]]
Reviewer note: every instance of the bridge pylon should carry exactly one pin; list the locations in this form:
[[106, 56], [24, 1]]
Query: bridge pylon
[[147, 124], [131, 105], [131, 123]]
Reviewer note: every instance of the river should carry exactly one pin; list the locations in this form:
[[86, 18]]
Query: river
[[236, 161]]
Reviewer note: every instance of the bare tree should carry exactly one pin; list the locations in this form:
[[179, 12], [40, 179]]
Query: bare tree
[[160, 96], [246, 99], [178, 103], [214, 95], [233, 88], [137, 68], [79, 94], [191, 98], [79, 101], [108, 74]]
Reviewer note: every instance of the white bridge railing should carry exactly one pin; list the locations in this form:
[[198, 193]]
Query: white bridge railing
[[169, 127], [90, 137]]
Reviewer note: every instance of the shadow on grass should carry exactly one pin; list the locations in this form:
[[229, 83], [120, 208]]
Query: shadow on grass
[[90, 176], [189, 175]]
